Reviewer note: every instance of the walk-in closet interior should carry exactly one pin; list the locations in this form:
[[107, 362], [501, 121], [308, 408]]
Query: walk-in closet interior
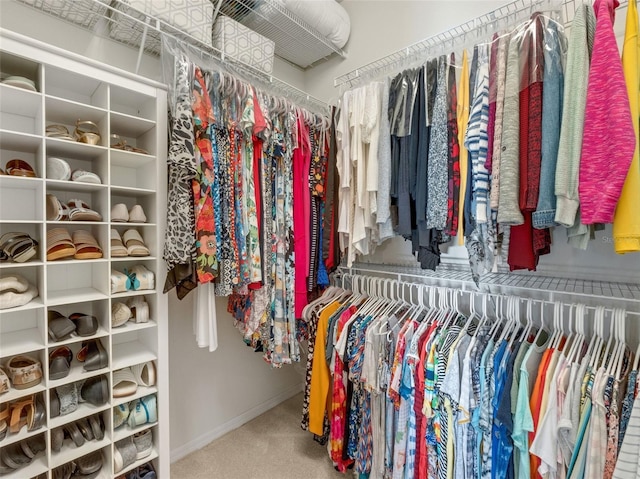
[[319, 238]]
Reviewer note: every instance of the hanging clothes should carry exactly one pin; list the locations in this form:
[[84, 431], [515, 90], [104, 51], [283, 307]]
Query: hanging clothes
[[626, 223], [609, 139]]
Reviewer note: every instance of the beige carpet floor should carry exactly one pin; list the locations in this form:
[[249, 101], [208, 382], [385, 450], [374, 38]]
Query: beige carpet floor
[[272, 446]]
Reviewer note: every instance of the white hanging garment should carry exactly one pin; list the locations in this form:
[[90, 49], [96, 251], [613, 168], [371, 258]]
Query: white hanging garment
[[205, 321]]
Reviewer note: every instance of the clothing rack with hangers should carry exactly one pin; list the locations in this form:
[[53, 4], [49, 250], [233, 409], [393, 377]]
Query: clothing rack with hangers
[[240, 76], [446, 294], [539, 288], [507, 16]]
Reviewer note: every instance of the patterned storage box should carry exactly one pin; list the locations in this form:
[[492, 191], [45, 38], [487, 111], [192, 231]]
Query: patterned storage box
[[76, 11], [190, 16], [241, 43]]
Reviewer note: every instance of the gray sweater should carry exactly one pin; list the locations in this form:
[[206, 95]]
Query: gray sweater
[[575, 96], [508, 200]]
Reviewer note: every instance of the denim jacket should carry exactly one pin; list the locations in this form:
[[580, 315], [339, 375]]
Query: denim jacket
[[552, 95]]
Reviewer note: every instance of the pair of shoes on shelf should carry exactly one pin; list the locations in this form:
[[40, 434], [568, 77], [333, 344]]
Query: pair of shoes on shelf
[[15, 291], [86, 467], [136, 413], [59, 169], [86, 131], [136, 310], [121, 144], [17, 247], [18, 167], [127, 380], [24, 371], [120, 214], [133, 244], [28, 411], [20, 82], [20, 454], [65, 399], [61, 245], [74, 210], [138, 278], [61, 327], [132, 449], [93, 355], [86, 429]]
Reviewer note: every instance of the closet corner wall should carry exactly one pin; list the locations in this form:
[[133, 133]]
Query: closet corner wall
[[71, 88]]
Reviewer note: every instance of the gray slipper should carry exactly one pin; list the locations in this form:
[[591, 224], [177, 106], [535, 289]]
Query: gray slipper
[[54, 403], [14, 457], [60, 363], [93, 355], [74, 433], [124, 454], [144, 443], [95, 390], [64, 471], [85, 429], [34, 445], [68, 395], [40, 414], [60, 327], [97, 426], [88, 465], [57, 439], [86, 325]]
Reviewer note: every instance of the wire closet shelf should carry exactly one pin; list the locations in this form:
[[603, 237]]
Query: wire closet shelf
[[480, 28], [578, 299], [589, 292], [145, 33], [295, 40]]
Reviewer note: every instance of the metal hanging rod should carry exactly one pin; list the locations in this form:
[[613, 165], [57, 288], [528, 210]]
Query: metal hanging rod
[[403, 290], [507, 16], [525, 285]]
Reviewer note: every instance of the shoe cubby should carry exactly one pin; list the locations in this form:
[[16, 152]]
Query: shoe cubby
[[23, 466], [95, 460], [133, 104], [129, 159], [76, 281], [77, 88], [98, 309], [133, 347], [16, 65], [135, 251], [26, 147], [32, 421], [21, 199], [94, 196], [78, 439], [21, 110], [133, 171], [91, 160], [26, 278], [34, 231], [75, 402], [21, 332]]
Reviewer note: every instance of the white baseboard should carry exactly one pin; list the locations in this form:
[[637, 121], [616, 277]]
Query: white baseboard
[[236, 422]]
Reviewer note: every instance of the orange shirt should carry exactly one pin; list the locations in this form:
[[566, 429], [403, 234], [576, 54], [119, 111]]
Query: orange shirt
[[320, 376], [534, 404]]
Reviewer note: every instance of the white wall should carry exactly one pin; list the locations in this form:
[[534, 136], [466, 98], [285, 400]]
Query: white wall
[[212, 393], [379, 28]]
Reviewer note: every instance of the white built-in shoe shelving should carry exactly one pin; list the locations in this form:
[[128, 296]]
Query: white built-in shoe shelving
[[71, 88]]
